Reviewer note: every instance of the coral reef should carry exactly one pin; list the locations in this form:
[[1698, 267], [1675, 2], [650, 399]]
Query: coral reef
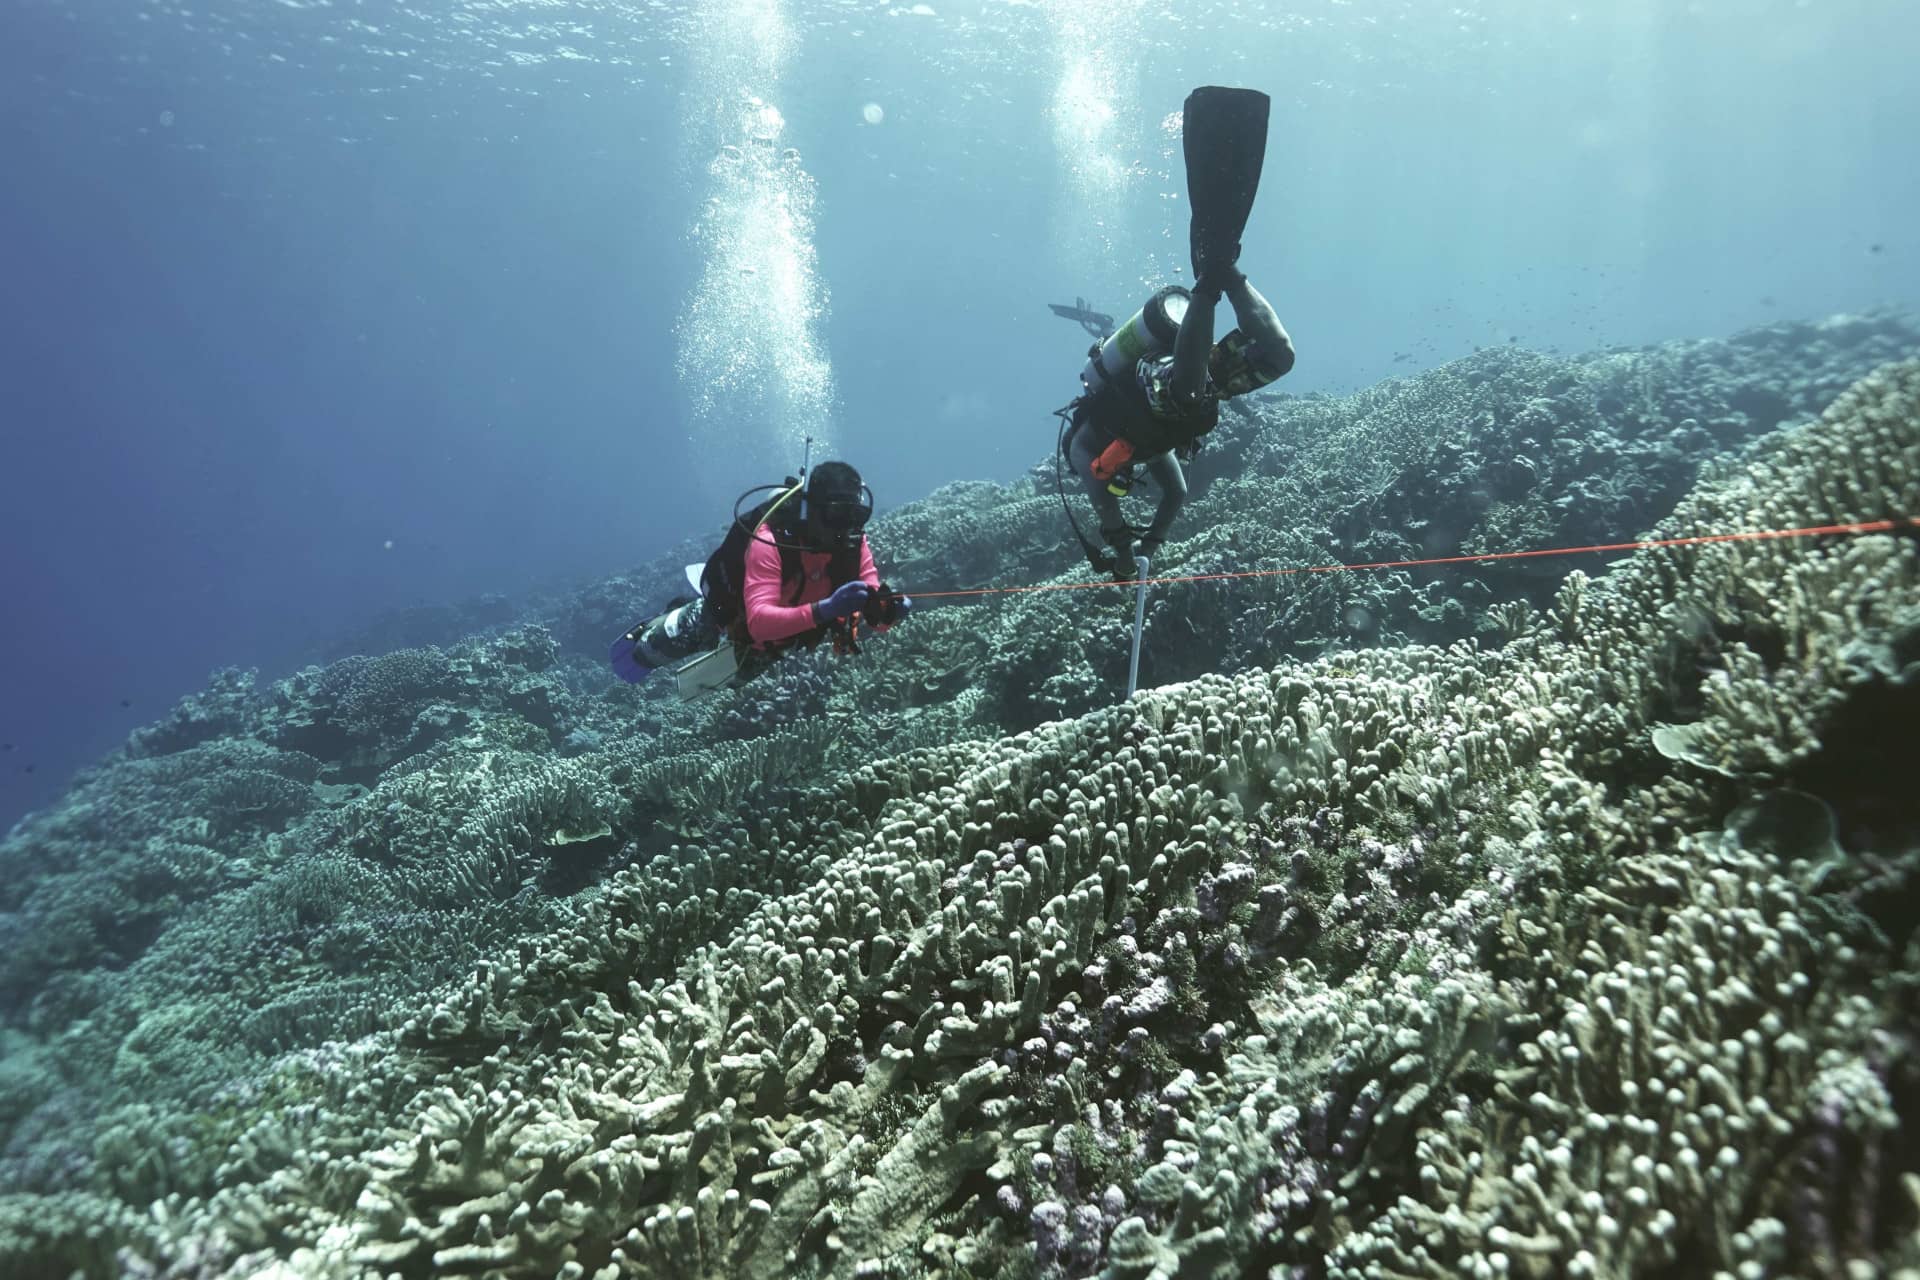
[[1581, 942]]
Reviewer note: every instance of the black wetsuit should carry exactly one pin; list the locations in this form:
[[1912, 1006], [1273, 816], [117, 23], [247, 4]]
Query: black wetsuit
[[1169, 404]]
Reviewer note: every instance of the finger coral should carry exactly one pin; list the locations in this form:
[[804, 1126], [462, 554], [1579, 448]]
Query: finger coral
[[1589, 954]]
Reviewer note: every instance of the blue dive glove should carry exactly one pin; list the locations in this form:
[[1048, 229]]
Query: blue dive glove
[[846, 601]]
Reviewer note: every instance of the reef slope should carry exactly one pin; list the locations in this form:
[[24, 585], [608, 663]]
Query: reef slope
[[1575, 939]]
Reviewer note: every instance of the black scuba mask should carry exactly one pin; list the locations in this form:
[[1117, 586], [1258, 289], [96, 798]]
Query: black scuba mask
[[841, 516]]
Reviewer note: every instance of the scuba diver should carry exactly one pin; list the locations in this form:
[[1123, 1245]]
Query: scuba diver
[[1153, 387], [792, 571]]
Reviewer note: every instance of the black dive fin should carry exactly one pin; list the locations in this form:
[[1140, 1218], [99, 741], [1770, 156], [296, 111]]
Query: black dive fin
[[1097, 323], [1224, 132]]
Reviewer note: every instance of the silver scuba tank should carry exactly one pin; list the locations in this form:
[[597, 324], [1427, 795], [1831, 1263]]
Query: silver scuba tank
[[1147, 332]]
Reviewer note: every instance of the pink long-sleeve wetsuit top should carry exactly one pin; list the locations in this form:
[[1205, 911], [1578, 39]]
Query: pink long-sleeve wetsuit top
[[770, 618]]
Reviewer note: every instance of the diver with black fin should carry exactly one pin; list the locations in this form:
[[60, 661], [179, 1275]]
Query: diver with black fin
[[1097, 323], [1153, 387], [793, 570]]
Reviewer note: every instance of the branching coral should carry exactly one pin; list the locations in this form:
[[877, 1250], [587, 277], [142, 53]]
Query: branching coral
[[1403, 962]]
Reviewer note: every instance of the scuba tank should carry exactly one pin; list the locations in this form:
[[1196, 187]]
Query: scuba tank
[[1147, 332]]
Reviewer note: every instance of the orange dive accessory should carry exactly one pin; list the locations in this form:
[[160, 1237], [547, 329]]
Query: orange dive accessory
[[1112, 458]]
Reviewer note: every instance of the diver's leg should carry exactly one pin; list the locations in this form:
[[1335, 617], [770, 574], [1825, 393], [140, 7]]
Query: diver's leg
[[1166, 472], [1086, 445], [679, 633], [693, 625]]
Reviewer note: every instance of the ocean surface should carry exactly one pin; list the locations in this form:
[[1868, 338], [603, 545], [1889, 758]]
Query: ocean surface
[[315, 311]]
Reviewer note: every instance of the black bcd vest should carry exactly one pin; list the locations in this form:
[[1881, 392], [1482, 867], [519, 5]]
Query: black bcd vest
[[1119, 407], [724, 580]]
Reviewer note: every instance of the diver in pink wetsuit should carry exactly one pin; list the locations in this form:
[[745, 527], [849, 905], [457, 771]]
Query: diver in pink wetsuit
[[790, 591], [792, 572]]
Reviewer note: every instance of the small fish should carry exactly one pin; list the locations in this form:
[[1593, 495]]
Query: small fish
[[126, 702], [1876, 248], [9, 746], [29, 769]]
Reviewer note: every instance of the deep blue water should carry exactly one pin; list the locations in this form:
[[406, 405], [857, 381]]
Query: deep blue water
[[288, 283]]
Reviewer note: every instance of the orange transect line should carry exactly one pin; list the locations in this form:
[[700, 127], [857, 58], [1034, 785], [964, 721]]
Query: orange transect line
[[1757, 535]]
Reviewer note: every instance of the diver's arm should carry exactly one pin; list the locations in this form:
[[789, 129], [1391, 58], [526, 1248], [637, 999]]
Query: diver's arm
[[1258, 322], [1193, 344], [768, 620]]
